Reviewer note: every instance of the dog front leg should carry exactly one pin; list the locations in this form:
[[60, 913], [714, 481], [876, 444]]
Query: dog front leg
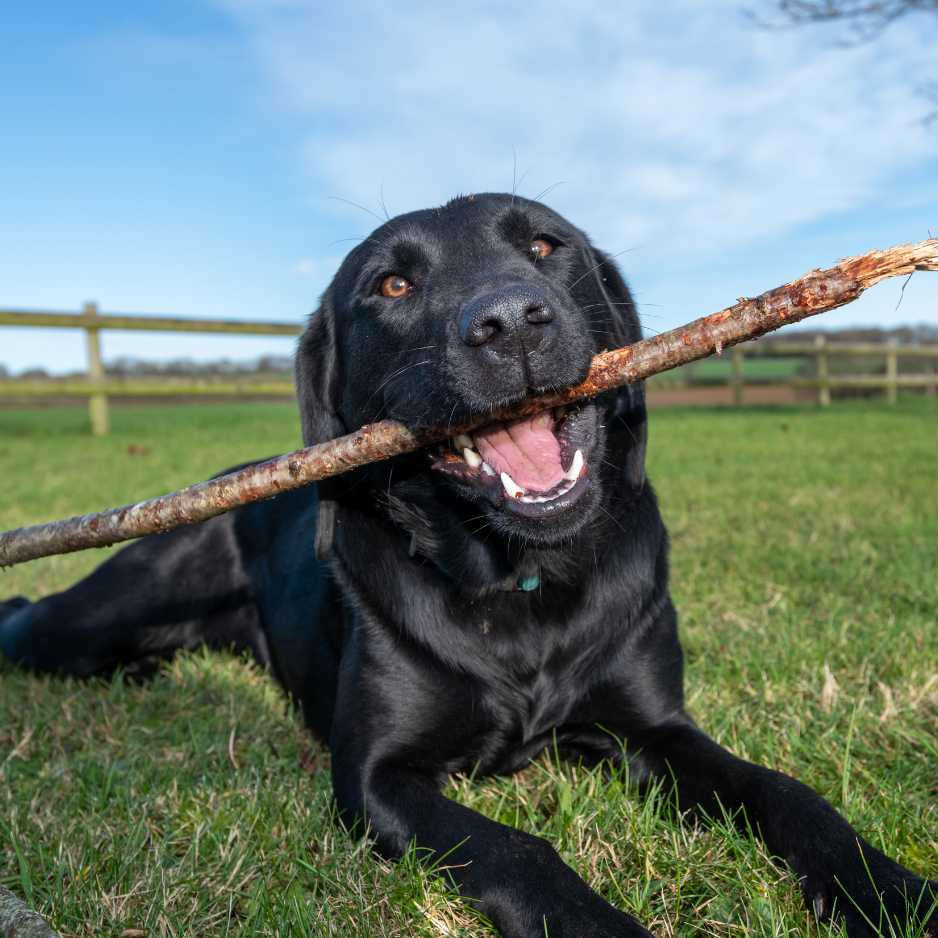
[[839, 872], [517, 880]]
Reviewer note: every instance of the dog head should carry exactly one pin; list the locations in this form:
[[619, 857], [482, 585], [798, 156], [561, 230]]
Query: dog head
[[443, 315]]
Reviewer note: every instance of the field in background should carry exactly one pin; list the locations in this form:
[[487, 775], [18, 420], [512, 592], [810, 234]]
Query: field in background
[[805, 546], [774, 370]]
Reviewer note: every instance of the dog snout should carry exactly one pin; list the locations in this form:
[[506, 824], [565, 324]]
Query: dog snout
[[507, 320]]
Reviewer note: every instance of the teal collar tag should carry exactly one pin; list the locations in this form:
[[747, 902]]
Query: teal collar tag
[[528, 583]]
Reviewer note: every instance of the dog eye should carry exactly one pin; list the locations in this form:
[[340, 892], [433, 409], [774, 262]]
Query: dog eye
[[540, 248], [395, 286]]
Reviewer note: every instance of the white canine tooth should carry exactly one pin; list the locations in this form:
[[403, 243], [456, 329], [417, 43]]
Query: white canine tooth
[[511, 487], [463, 441], [576, 467], [472, 457], [487, 469]]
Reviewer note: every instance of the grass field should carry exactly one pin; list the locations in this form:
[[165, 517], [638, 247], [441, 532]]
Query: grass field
[[719, 371], [805, 550]]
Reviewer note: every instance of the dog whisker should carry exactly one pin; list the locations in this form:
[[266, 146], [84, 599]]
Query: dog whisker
[[339, 198], [550, 188], [393, 376], [596, 267]]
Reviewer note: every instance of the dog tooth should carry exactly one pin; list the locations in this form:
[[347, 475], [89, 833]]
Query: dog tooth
[[487, 469], [511, 487], [576, 467], [472, 457], [463, 441]]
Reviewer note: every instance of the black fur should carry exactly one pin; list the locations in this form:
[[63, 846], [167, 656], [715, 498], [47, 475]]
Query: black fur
[[401, 630]]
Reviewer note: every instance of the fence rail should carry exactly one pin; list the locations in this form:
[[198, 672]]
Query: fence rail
[[98, 388], [92, 319], [120, 387], [822, 351]]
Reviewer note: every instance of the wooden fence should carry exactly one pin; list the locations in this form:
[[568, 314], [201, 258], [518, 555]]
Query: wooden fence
[[824, 381], [98, 388]]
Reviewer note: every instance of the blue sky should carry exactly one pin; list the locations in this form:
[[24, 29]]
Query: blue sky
[[190, 157]]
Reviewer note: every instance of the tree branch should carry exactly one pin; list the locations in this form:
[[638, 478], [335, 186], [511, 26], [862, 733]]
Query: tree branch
[[864, 21], [17, 920], [866, 18], [816, 292]]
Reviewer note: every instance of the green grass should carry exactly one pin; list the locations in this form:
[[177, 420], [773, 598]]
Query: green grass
[[805, 546], [720, 370]]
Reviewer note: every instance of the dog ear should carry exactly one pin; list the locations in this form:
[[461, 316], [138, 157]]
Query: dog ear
[[611, 309], [318, 389], [317, 377], [609, 302]]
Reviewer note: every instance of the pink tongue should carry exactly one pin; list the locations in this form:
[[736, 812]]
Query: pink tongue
[[526, 449]]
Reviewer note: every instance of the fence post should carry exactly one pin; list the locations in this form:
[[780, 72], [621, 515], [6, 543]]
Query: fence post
[[736, 357], [97, 403], [932, 389], [892, 372], [823, 373]]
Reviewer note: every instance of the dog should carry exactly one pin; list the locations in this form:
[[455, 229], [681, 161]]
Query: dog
[[461, 610]]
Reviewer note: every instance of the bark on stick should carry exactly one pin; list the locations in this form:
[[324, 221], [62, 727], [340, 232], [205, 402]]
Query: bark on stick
[[816, 292], [17, 920]]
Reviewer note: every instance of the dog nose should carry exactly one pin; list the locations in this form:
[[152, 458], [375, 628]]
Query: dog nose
[[506, 316]]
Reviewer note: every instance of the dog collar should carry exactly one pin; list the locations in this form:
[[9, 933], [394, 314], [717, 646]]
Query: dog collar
[[525, 579]]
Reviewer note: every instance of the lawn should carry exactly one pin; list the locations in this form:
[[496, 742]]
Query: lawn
[[719, 371], [805, 548]]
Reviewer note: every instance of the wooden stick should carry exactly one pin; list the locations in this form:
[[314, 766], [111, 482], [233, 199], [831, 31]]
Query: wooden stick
[[816, 292], [17, 920]]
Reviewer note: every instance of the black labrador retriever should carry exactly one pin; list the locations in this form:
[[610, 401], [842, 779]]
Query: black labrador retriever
[[461, 610]]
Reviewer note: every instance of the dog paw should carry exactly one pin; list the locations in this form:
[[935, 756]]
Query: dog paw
[[610, 924], [562, 910], [875, 897], [578, 914], [581, 927]]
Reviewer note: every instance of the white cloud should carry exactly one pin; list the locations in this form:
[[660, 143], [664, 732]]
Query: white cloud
[[673, 124], [305, 267]]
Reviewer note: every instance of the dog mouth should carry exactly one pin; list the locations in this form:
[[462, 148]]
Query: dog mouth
[[533, 466]]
